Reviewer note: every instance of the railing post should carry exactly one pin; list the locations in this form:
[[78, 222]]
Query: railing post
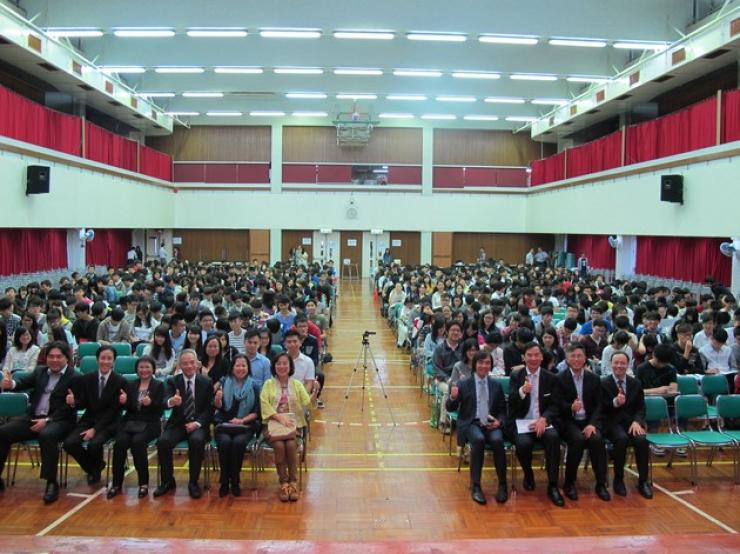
[[719, 118]]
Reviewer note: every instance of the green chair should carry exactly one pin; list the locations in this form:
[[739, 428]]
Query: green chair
[[122, 348], [87, 349], [140, 349], [88, 364], [728, 406], [508, 447], [711, 387], [276, 349], [504, 382], [656, 411], [130, 377], [125, 364], [687, 384]]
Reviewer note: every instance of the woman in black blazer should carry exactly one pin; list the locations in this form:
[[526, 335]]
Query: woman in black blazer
[[141, 425]]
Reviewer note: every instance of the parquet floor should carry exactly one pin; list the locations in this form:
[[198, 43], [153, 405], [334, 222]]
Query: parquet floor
[[369, 481]]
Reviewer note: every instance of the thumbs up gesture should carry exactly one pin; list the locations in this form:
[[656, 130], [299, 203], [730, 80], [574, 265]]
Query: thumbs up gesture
[[70, 398], [621, 399], [219, 393], [177, 399], [122, 397], [146, 401], [577, 405], [527, 386]]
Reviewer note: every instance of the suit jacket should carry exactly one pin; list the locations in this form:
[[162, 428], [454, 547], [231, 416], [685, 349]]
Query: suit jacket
[[519, 407], [467, 405], [104, 412], [633, 408], [37, 380], [567, 394], [151, 414], [203, 401]]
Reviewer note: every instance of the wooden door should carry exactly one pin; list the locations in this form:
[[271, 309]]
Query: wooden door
[[292, 239], [407, 247], [351, 247]]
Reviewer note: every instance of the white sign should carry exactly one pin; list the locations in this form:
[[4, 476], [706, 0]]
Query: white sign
[[396, 242], [306, 241], [176, 240], [351, 242], [346, 261]]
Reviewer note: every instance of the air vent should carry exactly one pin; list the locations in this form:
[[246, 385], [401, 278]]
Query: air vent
[[48, 66], [623, 97], [662, 78], [716, 54], [88, 88]]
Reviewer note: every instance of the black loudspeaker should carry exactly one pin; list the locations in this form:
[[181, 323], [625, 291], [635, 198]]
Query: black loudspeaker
[[671, 188], [37, 179]]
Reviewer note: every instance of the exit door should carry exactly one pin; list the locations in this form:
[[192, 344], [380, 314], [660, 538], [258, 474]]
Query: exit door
[[373, 246]]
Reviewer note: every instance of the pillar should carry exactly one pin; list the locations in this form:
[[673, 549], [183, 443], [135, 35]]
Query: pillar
[[626, 258], [735, 282], [276, 245], [426, 247]]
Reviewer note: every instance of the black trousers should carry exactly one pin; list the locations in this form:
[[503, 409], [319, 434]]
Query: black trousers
[[550, 441], [19, 429], [196, 451], [320, 377], [231, 450], [478, 437], [572, 434], [137, 443], [621, 439], [90, 456]]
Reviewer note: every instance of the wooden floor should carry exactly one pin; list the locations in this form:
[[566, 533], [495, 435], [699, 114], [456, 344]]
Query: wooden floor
[[370, 481]]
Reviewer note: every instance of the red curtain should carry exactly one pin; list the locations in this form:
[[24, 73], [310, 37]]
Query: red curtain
[[109, 148], [155, 163], [29, 250], [642, 142], [685, 258], [109, 247], [702, 124], [596, 247], [731, 116], [548, 170]]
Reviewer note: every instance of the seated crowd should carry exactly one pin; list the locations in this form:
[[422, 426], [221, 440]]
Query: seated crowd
[[579, 354], [229, 351]]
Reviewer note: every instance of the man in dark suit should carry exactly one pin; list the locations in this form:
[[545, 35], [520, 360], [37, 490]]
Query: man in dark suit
[[191, 398], [579, 421], [49, 417], [532, 398], [624, 423], [99, 394], [481, 420]]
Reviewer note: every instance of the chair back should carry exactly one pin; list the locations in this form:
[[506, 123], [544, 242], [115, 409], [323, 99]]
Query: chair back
[[276, 349], [728, 406], [691, 406], [504, 382], [687, 384], [656, 409], [87, 349], [130, 377], [125, 364], [712, 385], [140, 349], [88, 364], [122, 348], [13, 404]]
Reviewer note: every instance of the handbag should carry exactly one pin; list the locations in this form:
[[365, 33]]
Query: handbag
[[231, 429], [276, 431]]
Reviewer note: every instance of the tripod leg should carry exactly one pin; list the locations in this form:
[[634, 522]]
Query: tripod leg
[[382, 386], [348, 390]]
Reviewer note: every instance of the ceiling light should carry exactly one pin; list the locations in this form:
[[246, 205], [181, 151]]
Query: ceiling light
[[533, 77], [396, 116], [358, 71], [121, 70], [503, 100], [217, 33], [410, 97], [508, 39], [310, 114], [576, 79], [203, 94], [290, 33], [266, 113], [306, 95], [144, 33], [356, 96], [157, 94], [521, 118], [445, 98], [239, 70], [298, 70], [367, 35], [481, 117], [639, 45], [586, 43], [74, 33], [416, 73], [440, 37], [549, 102], [224, 114], [179, 70], [439, 116], [183, 114], [475, 75]]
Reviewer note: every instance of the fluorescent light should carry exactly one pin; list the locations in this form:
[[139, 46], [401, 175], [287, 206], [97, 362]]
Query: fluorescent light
[[203, 94], [74, 33], [298, 70], [121, 70], [503, 100], [576, 79], [224, 114], [217, 33], [380, 171], [239, 70], [475, 75], [157, 94], [440, 37], [410, 97], [358, 71], [521, 118], [508, 39], [481, 117], [640, 45], [310, 114], [416, 73], [290, 33], [179, 70], [533, 77], [306, 95], [356, 96], [439, 116], [183, 114], [390, 115], [266, 113], [365, 35], [549, 102], [585, 43], [445, 98], [144, 33]]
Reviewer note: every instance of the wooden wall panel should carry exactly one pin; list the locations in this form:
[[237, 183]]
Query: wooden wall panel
[[292, 239], [410, 250], [510, 247], [353, 253], [214, 244], [224, 143], [259, 245], [442, 249], [319, 144], [480, 147]]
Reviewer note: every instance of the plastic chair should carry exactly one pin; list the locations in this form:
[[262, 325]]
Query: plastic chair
[[687, 384], [504, 382], [262, 446], [125, 364], [122, 348], [729, 407], [712, 386], [88, 364], [87, 349], [276, 349], [140, 349], [656, 411]]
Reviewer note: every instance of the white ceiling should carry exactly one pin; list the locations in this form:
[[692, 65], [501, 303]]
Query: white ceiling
[[609, 20]]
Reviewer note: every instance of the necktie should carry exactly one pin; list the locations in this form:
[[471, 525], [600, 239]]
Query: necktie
[[620, 385], [101, 387], [189, 403], [534, 397], [482, 405]]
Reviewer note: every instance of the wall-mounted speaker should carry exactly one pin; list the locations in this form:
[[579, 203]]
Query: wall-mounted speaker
[[671, 188], [37, 179]]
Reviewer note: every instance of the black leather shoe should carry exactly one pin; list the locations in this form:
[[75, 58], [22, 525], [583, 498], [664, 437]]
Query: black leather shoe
[[477, 494], [143, 491], [112, 491], [555, 497], [603, 493], [570, 491], [236, 490], [223, 490], [194, 490], [619, 488], [645, 489], [528, 483], [164, 488], [502, 495], [52, 492], [93, 478]]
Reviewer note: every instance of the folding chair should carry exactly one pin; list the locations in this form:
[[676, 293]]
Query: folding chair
[[262, 446], [656, 411], [687, 384], [125, 364], [729, 407], [122, 348], [711, 387], [183, 447], [87, 349], [140, 349], [88, 364], [13, 404], [508, 447], [249, 451]]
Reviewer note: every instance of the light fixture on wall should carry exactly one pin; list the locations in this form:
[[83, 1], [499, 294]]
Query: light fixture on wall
[[730, 249], [615, 241]]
